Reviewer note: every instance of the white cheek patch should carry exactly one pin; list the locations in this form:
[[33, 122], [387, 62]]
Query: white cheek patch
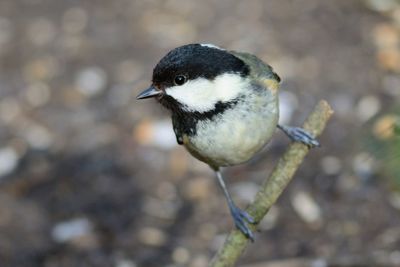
[[201, 94]]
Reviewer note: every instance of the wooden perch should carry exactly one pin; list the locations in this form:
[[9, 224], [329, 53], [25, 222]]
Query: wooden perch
[[273, 186]]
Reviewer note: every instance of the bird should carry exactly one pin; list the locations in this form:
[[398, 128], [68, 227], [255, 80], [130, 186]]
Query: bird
[[224, 107]]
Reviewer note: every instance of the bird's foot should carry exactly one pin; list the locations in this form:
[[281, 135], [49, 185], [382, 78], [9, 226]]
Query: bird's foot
[[298, 134], [242, 219]]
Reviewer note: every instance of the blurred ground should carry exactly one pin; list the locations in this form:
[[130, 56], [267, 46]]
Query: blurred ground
[[91, 177]]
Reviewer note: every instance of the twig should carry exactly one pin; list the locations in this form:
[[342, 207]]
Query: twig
[[273, 186]]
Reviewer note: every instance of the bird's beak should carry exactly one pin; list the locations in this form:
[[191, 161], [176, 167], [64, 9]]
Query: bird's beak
[[149, 92]]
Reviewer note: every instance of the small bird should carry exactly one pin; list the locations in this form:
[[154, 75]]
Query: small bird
[[224, 108]]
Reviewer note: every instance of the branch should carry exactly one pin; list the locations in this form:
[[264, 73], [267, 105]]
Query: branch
[[273, 186]]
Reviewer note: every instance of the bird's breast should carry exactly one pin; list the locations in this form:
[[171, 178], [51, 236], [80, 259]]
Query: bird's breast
[[234, 136]]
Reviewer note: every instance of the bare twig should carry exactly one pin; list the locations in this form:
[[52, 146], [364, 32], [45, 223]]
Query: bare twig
[[273, 186]]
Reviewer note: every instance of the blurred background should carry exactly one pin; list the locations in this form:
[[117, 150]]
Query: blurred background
[[91, 177]]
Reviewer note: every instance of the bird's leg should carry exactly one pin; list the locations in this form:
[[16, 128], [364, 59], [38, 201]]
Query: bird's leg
[[240, 217], [298, 134]]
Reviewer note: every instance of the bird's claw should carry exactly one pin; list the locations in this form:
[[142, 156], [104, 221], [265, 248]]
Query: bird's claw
[[298, 134], [242, 219]]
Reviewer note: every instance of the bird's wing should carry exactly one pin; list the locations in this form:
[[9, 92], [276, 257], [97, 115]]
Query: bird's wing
[[260, 70]]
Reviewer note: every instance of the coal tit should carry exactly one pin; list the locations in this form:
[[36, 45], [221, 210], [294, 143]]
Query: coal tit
[[224, 107]]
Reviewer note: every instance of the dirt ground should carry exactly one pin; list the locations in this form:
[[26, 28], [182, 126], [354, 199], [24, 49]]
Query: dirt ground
[[89, 176]]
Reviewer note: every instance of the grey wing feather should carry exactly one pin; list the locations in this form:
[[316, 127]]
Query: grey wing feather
[[259, 69]]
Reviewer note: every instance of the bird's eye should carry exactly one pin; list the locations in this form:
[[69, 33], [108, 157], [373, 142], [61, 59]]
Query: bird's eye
[[180, 79]]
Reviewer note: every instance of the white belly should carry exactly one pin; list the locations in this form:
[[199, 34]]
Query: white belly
[[236, 135]]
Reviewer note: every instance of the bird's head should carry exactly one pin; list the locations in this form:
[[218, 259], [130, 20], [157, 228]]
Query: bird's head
[[196, 78]]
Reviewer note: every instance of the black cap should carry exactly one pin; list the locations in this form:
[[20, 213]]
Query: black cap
[[197, 60]]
